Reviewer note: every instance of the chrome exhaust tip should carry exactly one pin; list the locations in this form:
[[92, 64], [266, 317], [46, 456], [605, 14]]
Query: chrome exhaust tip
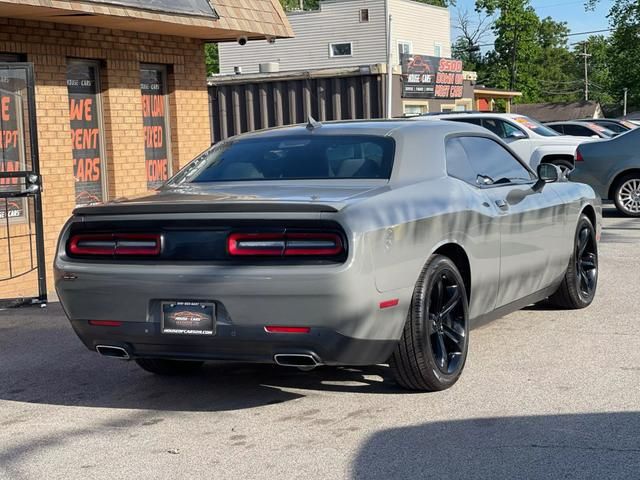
[[113, 352], [303, 361]]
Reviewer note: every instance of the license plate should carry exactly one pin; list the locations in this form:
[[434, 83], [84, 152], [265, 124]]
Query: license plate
[[188, 318]]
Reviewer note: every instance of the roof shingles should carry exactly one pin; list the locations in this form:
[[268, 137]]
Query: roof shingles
[[255, 18]]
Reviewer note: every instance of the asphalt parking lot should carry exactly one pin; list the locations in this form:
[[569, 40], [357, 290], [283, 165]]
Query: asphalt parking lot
[[545, 394]]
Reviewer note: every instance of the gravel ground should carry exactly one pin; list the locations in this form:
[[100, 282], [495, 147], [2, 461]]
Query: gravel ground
[[545, 394]]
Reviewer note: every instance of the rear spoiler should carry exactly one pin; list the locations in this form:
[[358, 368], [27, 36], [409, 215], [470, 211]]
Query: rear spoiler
[[202, 207]]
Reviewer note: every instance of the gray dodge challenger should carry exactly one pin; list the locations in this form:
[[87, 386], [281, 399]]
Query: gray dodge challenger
[[346, 243]]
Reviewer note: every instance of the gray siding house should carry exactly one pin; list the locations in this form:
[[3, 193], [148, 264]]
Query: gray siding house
[[345, 33]]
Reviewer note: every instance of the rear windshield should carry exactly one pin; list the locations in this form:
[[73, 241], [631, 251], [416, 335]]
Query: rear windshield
[[308, 157]]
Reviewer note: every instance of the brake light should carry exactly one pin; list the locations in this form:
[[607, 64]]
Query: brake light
[[579, 157], [276, 329], [105, 323], [321, 244], [115, 244]]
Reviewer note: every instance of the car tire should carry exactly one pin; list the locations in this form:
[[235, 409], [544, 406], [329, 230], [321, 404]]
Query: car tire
[[626, 195], [166, 367], [580, 282], [433, 348]]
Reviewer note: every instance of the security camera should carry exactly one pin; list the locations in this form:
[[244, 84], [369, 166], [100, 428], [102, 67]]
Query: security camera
[[271, 40], [242, 41]]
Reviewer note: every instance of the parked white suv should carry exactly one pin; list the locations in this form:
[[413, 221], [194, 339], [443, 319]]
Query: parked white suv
[[530, 139]]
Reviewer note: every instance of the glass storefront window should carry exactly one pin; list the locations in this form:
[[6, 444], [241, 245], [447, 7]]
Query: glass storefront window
[[13, 137], [85, 114], [155, 120]]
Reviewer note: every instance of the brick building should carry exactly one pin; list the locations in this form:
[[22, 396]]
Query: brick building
[[120, 99]]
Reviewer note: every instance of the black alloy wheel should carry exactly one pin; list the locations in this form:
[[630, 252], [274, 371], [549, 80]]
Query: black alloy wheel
[[432, 351], [586, 262], [447, 323], [580, 282]]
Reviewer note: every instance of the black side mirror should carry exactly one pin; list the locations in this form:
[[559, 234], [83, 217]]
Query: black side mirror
[[547, 173]]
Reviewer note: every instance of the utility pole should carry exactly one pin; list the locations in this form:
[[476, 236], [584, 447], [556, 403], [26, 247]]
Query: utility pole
[[586, 72], [301, 3], [624, 111]]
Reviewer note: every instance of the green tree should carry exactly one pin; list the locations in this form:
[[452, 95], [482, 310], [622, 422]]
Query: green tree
[[211, 58], [619, 53], [625, 50], [530, 53]]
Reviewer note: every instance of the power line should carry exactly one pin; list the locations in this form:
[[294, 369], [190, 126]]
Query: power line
[[566, 35]]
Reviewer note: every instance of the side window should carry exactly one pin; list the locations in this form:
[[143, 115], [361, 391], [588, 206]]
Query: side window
[[557, 128], [458, 164], [494, 126], [510, 130], [492, 160], [577, 130]]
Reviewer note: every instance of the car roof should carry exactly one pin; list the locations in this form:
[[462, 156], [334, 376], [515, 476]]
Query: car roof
[[467, 114], [582, 123], [379, 128], [602, 120]]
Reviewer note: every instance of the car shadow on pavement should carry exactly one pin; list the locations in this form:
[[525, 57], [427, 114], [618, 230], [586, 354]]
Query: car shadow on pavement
[[44, 362], [583, 446]]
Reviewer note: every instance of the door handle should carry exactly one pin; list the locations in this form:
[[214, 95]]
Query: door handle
[[502, 205]]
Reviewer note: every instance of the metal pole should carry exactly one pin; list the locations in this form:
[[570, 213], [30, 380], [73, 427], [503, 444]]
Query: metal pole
[[624, 112], [586, 73], [514, 59], [389, 64]]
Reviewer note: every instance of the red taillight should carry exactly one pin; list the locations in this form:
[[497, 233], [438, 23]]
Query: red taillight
[[115, 244], [274, 329], [105, 323], [285, 244], [579, 157]]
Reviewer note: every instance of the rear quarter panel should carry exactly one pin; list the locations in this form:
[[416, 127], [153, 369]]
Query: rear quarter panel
[[402, 228]]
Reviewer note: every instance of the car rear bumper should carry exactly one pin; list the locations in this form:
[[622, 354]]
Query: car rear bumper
[[232, 343], [338, 303]]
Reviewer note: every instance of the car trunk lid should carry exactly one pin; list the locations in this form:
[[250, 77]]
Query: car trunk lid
[[312, 196]]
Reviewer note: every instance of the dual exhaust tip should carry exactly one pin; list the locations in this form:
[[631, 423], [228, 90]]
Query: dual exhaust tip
[[113, 352], [303, 361]]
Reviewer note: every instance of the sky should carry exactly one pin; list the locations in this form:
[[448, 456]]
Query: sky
[[570, 11]]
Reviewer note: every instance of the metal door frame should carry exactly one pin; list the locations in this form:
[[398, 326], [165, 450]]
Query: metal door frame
[[32, 181]]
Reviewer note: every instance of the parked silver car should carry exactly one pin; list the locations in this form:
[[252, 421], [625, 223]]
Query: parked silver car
[[612, 168], [349, 243]]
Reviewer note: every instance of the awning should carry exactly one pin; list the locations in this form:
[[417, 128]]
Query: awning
[[222, 20]]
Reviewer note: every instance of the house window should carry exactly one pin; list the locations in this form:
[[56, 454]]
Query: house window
[[404, 48], [155, 121], [437, 50], [343, 49], [415, 108], [85, 115], [364, 15]]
